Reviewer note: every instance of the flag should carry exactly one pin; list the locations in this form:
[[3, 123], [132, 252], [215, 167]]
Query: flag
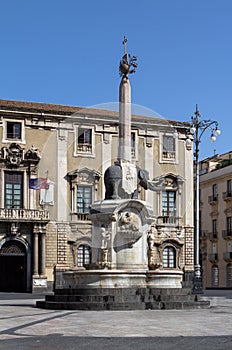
[[38, 183]]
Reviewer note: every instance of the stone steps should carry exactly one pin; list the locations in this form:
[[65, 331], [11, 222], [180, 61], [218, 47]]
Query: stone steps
[[122, 299], [117, 298], [118, 291], [178, 305], [89, 306]]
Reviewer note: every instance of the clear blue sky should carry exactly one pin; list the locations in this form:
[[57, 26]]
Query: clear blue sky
[[68, 52]]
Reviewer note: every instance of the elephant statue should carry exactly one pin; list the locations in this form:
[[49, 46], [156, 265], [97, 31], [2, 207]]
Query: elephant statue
[[113, 182]]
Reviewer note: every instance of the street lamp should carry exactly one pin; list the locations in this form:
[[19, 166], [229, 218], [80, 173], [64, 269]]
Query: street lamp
[[197, 129]]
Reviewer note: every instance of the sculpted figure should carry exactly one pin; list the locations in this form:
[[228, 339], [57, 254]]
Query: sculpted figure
[[105, 235]]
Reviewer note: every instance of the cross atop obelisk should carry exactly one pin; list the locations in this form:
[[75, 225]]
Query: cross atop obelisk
[[128, 62], [124, 44]]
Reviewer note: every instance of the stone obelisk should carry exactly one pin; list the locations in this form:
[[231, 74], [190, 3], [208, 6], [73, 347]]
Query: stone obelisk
[[129, 175], [121, 180], [124, 150]]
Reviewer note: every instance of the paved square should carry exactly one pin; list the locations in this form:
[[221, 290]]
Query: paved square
[[22, 326]]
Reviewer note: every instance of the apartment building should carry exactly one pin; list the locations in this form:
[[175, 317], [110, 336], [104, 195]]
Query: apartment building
[[216, 220], [52, 164]]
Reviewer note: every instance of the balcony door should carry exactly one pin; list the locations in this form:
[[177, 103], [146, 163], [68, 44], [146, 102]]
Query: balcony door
[[13, 190]]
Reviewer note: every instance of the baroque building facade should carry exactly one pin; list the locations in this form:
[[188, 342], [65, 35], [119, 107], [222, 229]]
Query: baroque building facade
[[216, 220], [52, 164]]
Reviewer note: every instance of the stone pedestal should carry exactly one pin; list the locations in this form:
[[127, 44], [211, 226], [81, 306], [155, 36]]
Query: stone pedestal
[[39, 284], [119, 234]]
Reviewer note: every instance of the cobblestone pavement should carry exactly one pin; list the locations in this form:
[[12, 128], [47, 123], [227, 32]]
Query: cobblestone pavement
[[22, 326]]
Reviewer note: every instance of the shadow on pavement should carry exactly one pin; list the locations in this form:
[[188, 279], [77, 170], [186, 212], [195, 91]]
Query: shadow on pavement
[[58, 342]]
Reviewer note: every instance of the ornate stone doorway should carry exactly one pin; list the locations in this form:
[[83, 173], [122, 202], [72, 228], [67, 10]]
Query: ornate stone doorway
[[13, 267]]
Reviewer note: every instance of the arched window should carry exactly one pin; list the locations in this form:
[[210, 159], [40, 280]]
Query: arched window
[[214, 276], [84, 255], [229, 275], [169, 257]]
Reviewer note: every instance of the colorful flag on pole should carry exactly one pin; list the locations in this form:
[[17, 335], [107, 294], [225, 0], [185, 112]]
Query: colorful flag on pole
[[38, 183]]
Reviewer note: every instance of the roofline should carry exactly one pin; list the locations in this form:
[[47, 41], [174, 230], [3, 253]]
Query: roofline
[[59, 110]]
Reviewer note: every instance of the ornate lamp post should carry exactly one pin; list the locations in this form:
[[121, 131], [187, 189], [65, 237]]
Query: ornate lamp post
[[197, 129]]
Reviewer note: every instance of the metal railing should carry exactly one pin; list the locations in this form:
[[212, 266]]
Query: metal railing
[[213, 257], [227, 195], [213, 198], [226, 234], [227, 256], [213, 235]]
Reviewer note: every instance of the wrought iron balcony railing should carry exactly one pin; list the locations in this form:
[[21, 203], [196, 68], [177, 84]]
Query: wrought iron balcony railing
[[213, 236], [227, 256], [227, 196], [213, 199], [204, 234], [226, 234], [213, 258]]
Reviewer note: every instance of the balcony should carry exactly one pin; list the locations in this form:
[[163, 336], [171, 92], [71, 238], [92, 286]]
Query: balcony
[[227, 196], [213, 258], [213, 199], [213, 236], [227, 234], [21, 215], [168, 220], [80, 216], [84, 148], [170, 155], [227, 256], [204, 234]]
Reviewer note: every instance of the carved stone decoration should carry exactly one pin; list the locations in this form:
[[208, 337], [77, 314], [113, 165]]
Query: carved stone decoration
[[75, 253], [129, 231], [170, 182], [153, 256], [129, 177], [13, 155], [157, 184], [105, 238], [105, 243], [39, 228], [32, 155], [14, 229], [84, 175]]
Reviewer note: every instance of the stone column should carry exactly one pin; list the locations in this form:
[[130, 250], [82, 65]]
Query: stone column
[[61, 173], [43, 255], [36, 255], [124, 150]]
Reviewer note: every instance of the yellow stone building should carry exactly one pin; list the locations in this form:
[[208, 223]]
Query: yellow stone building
[[52, 164], [216, 220]]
